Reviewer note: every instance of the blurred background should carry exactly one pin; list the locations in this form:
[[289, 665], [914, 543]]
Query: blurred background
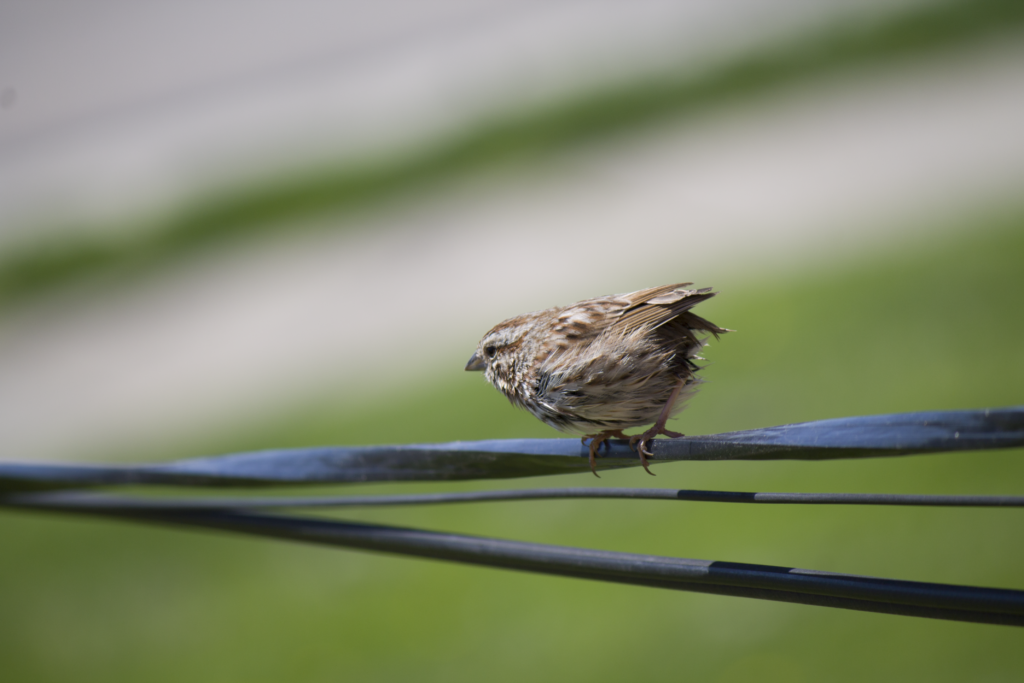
[[230, 226]]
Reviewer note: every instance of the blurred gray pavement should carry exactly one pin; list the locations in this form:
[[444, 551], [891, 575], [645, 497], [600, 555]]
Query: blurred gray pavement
[[119, 108]]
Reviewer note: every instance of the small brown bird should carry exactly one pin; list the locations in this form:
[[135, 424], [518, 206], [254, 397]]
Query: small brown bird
[[602, 365]]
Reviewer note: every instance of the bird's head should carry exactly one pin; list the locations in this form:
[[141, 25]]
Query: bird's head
[[499, 354]]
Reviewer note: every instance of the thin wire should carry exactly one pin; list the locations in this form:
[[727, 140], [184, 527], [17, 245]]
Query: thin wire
[[81, 500], [785, 584]]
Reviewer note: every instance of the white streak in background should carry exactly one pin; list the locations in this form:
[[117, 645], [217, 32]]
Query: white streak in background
[[125, 107], [815, 176]]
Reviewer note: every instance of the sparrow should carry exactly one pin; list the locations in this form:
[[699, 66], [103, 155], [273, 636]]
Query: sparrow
[[602, 365]]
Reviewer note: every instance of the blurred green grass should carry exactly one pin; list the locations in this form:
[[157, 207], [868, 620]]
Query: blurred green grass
[[936, 324], [278, 205]]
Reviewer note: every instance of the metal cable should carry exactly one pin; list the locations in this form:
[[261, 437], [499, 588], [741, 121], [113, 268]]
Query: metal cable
[[851, 437], [785, 584], [84, 500]]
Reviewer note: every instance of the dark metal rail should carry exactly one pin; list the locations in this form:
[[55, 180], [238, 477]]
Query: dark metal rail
[[785, 584], [850, 437]]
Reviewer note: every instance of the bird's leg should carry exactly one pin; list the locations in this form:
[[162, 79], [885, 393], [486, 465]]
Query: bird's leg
[[596, 441], [658, 428]]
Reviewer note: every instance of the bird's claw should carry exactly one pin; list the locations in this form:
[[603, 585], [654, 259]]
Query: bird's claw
[[595, 443], [644, 438], [641, 448]]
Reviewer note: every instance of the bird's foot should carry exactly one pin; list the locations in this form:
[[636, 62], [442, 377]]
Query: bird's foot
[[595, 443], [639, 442]]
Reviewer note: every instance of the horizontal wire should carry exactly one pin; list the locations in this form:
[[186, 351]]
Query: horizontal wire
[[81, 500], [785, 584], [869, 436], [39, 486]]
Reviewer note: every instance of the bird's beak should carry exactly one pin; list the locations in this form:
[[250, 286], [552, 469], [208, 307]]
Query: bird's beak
[[476, 363]]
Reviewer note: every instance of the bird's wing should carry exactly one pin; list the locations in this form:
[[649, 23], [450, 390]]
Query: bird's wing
[[664, 308], [666, 305]]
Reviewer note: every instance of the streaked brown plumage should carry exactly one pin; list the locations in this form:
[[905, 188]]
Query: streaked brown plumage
[[602, 365]]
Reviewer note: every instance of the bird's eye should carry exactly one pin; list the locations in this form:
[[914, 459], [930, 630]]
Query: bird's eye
[[489, 350]]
